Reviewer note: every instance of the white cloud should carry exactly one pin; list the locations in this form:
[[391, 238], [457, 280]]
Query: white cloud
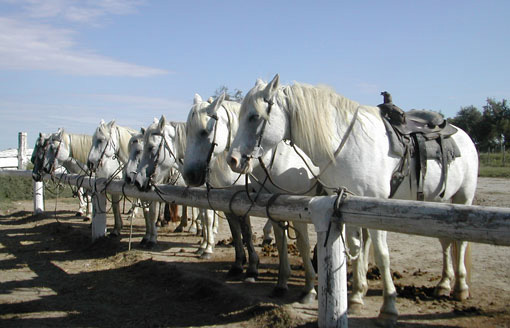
[[78, 11], [32, 46]]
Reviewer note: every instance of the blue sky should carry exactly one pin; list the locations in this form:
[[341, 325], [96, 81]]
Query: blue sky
[[69, 64]]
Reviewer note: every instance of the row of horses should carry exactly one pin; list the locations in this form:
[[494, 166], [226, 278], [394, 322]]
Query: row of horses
[[298, 139]]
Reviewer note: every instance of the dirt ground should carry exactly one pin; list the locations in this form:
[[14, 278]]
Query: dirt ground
[[52, 275]]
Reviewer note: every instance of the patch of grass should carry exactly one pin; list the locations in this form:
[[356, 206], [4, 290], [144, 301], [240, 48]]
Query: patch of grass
[[21, 188], [494, 171]]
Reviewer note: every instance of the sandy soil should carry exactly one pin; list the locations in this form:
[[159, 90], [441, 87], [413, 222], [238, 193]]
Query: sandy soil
[[52, 275]]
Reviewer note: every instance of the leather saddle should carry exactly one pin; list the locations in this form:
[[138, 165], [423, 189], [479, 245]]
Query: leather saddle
[[418, 133], [430, 124]]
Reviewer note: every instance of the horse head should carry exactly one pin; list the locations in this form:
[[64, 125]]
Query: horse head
[[102, 157], [135, 148], [208, 134], [159, 154], [57, 151], [262, 125], [38, 156]]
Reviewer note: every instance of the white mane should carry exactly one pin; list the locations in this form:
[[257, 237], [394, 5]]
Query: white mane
[[79, 145], [198, 117], [124, 135], [180, 135], [316, 114]]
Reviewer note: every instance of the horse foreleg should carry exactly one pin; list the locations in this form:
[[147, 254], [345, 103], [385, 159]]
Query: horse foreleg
[[184, 219], [284, 265], [267, 233], [460, 253], [240, 257], [253, 263], [83, 202], [216, 222], [359, 271], [151, 234], [208, 243], [303, 244], [388, 314], [88, 198], [116, 215], [443, 288]]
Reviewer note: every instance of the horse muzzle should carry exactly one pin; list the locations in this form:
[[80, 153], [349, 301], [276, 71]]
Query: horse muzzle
[[194, 177], [239, 163]]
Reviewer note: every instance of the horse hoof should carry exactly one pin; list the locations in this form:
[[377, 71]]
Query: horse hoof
[[387, 320], [192, 230], [114, 234], [267, 241], [206, 256], [200, 251], [355, 308], [441, 292], [461, 295], [178, 229], [86, 219], [78, 214], [234, 271], [250, 280], [144, 241], [279, 292], [150, 244], [307, 298]]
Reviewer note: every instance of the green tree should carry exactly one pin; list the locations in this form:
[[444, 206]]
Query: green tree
[[469, 119], [236, 95], [496, 117]]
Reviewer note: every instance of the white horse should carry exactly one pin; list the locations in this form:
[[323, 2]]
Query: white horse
[[317, 120], [109, 151], [150, 212], [68, 150], [163, 151], [210, 130]]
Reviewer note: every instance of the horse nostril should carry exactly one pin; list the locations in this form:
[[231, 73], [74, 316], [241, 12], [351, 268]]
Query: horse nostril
[[233, 162]]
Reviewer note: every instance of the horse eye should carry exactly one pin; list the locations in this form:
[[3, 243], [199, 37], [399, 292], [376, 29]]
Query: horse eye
[[253, 117]]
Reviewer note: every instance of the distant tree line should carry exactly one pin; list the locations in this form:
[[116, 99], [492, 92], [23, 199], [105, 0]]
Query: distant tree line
[[489, 128], [236, 95]]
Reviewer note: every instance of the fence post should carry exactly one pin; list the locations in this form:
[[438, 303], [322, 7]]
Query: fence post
[[98, 211], [22, 150], [38, 197], [332, 265]]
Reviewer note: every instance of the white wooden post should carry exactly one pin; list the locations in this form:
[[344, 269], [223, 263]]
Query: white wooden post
[[22, 150], [98, 211], [38, 197], [332, 265]]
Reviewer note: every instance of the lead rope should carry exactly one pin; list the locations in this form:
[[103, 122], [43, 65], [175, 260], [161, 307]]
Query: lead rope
[[339, 201]]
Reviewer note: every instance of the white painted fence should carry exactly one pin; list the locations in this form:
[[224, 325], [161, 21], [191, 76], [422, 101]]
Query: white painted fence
[[489, 225]]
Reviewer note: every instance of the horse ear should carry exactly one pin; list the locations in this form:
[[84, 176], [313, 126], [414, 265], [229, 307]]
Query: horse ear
[[111, 123], [162, 122], [213, 108], [197, 99], [60, 131], [101, 122], [271, 88], [142, 131], [259, 82], [210, 100]]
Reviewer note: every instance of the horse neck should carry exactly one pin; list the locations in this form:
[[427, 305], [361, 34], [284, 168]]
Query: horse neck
[[318, 126], [221, 175], [123, 135], [79, 146]]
